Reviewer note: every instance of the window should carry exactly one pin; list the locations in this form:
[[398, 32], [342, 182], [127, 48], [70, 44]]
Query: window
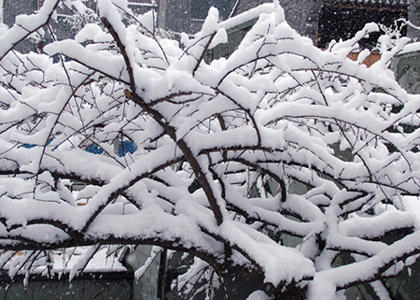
[[339, 21], [200, 8]]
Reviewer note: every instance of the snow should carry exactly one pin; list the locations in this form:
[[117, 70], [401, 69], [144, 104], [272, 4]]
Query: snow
[[25, 25], [376, 227], [247, 16], [412, 47], [234, 158], [278, 263], [258, 295]]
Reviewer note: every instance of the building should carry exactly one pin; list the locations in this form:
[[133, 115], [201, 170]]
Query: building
[[321, 20], [311, 18]]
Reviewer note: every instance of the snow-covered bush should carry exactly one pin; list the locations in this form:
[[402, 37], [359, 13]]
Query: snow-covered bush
[[267, 164]]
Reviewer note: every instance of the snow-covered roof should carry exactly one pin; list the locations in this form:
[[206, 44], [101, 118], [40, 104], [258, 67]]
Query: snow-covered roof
[[381, 3], [70, 261]]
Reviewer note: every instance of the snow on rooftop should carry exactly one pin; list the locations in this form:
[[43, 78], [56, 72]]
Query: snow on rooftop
[[66, 260], [379, 3], [70, 261]]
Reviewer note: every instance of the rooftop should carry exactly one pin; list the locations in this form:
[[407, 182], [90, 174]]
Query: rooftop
[[380, 3]]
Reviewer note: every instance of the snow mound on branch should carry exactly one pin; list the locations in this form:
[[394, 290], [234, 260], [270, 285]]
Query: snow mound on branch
[[258, 295]]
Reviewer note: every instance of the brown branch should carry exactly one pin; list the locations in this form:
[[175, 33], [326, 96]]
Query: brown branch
[[118, 192], [50, 14], [123, 50], [204, 53], [182, 145]]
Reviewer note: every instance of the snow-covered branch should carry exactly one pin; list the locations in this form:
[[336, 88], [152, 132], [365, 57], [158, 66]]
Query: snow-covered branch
[[224, 160]]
